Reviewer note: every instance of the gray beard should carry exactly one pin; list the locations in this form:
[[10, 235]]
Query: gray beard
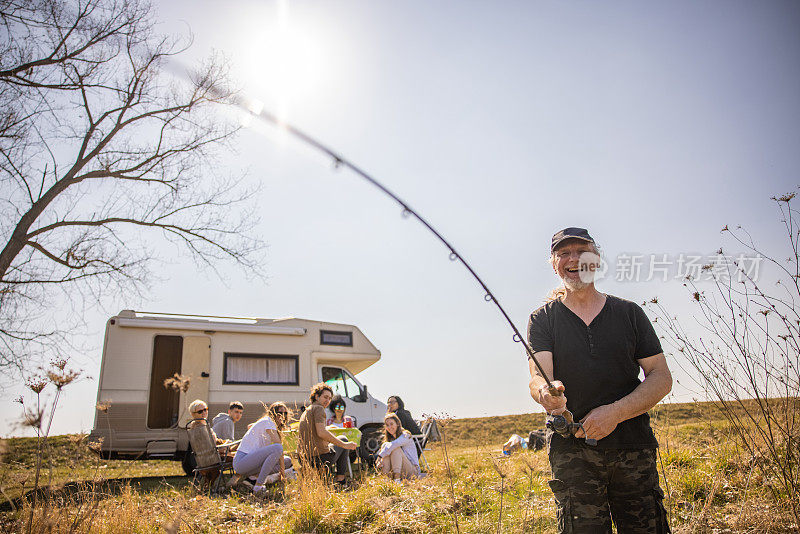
[[575, 285]]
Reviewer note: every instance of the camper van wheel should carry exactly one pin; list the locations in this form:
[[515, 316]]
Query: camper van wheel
[[370, 444], [189, 462]]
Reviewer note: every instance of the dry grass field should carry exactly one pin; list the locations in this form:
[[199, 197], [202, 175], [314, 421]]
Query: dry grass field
[[711, 487]]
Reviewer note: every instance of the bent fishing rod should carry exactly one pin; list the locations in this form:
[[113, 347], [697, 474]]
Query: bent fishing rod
[[340, 161], [562, 423]]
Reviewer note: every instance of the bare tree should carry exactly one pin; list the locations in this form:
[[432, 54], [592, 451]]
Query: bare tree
[[100, 153], [746, 356]]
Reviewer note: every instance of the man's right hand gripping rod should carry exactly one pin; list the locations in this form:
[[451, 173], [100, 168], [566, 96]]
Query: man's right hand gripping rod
[[563, 424]]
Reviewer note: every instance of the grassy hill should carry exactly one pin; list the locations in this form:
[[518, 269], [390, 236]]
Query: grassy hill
[[711, 486], [71, 457], [495, 430]]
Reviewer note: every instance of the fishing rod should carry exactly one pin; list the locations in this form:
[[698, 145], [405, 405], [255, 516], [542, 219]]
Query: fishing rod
[[340, 161], [562, 423]]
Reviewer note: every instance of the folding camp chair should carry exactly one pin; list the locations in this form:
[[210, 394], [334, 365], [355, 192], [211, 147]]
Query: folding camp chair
[[421, 441], [212, 461], [326, 469]]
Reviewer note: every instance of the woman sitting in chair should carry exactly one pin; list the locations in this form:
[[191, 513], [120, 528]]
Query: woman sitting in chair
[[396, 405], [261, 451], [203, 441], [398, 455], [339, 419], [199, 411]]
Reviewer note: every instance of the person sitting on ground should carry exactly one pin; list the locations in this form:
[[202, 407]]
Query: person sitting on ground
[[222, 424], [397, 457], [316, 446], [338, 406], [396, 405], [261, 452]]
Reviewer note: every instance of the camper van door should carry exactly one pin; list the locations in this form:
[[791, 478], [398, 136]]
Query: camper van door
[[345, 384], [195, 365]]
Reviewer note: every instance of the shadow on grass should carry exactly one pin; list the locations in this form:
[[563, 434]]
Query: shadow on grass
[[72, 492]]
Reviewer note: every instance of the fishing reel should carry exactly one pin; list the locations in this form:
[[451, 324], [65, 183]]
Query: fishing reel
[[563, 424]]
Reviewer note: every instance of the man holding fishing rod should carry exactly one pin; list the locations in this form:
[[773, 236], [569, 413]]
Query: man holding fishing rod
[[591, 347]]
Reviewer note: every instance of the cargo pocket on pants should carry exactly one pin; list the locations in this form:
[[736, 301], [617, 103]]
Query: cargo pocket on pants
[[662, 523], [563, 508]]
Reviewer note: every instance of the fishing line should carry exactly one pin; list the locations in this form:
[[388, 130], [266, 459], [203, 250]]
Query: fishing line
[[255, 109]]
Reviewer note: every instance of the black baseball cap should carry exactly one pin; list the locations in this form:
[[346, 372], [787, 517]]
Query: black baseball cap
[[570, 233]]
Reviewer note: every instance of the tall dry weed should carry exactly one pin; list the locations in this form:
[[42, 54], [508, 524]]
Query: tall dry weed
[[748, 356]]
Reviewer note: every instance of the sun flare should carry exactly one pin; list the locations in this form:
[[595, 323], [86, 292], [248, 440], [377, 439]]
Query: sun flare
[[283, 61]]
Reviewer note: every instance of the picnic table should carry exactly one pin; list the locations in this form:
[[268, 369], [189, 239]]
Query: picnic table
[[228, 449], [229, 444], [353, 435]]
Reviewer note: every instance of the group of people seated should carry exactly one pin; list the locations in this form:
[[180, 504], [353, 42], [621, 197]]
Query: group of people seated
[[261, 452]]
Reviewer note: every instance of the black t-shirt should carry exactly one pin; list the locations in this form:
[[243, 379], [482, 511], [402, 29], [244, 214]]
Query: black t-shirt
[[598, 363]]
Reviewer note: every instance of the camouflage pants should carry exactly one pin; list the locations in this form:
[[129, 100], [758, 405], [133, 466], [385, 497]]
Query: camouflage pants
[[593, 486]]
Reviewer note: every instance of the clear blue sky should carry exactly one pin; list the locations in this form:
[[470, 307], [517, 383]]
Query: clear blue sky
[[653, 124]]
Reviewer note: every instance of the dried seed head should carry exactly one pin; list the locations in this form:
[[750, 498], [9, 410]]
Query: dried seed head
[[497, 468], [785, 198], [103, 406], [32, 418], [59, 364], [36, 384], [77, 439], [178, 382], [528, 464], [96, 446], [442, 419], [61, 377]]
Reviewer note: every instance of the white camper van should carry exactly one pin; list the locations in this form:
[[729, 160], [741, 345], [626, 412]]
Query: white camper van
[[225, 359]]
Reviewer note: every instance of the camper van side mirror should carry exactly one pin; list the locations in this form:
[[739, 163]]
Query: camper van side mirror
[[362, 395]]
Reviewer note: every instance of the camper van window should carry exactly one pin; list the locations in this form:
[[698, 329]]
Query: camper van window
[[341, 382], [329, 337], [260, 369]]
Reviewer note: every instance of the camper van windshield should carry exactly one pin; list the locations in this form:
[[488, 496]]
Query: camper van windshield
[[341, 382]]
